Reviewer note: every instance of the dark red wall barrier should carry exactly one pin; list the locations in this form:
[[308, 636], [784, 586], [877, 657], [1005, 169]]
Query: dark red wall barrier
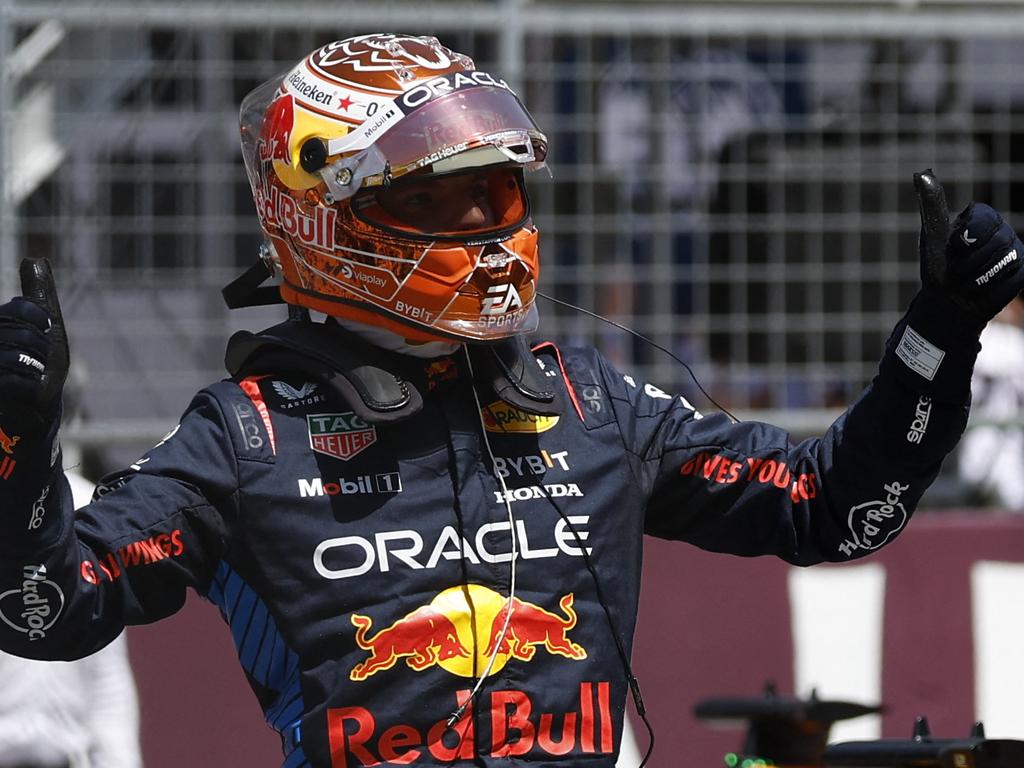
[[713, 626], [196, 707]]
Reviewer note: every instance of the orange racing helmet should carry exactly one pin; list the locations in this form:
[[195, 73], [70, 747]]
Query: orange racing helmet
[[360, 117]]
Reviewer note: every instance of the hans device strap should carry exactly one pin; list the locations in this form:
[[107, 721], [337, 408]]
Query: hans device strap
[[377, 384]]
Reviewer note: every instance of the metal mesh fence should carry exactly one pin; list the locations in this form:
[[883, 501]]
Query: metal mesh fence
[[733, 182]]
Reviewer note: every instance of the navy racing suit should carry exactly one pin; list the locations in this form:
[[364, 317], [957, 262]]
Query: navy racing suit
[[364, 569]]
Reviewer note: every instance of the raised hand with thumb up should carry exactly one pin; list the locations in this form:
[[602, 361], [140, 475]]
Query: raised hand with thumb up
[[974, 260], [33, 347]]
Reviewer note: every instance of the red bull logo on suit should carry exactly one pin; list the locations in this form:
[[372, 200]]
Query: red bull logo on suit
[[358, 739], [460, 630], [422, 638], [442, 633]]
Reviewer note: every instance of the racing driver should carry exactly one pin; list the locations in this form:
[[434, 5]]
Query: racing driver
[[423, 533]]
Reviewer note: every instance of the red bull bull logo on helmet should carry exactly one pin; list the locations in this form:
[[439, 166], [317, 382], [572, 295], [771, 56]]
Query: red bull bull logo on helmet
[[277, 130], [442, 634]]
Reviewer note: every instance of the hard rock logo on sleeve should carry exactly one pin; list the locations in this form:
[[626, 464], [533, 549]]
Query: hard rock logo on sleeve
[[874, 522], [34, 606]]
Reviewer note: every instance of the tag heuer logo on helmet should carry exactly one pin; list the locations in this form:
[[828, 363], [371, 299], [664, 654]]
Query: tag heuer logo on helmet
[[502, 417], [341, 435]]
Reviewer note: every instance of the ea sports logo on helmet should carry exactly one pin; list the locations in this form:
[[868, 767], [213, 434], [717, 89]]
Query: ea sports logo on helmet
[[501, 299], [383, 53]]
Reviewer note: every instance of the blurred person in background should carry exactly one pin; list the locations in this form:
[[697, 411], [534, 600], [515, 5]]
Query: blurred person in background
[[70, 714], [425, 535], [74, 714], [991, 456]]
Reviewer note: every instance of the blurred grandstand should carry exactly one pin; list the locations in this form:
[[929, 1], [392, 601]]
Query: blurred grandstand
[[730, 179]]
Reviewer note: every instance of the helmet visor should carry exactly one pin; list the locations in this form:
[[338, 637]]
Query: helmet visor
[[460, 121], [472, 205], [475, 126]]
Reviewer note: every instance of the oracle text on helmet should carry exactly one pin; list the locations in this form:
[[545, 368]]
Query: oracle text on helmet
[[439, 86]]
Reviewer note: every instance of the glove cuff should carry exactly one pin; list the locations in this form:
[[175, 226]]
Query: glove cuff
[[933, 348], [28, 450]]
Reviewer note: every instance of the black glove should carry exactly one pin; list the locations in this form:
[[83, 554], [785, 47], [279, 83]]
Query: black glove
[[975, 262], [33, 347]]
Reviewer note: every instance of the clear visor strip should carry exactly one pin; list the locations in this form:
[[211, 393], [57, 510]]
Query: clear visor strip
[[346, 175], [500, 148], [400, 107]]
